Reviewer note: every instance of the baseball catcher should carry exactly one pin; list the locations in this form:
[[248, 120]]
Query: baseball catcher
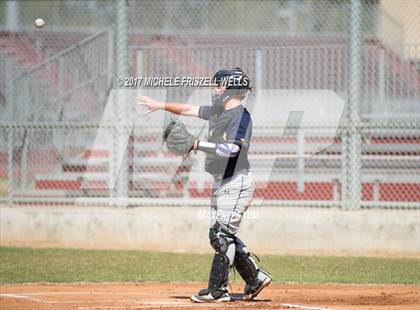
[[230, 132]]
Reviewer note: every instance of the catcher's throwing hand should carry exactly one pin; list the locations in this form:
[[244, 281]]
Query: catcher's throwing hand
[[178, 140], [149, 103]]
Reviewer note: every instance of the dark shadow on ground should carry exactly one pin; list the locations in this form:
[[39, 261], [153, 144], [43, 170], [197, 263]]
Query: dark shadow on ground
[[233, 296]]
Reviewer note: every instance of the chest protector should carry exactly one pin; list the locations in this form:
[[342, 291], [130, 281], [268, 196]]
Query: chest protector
[[218, 123]]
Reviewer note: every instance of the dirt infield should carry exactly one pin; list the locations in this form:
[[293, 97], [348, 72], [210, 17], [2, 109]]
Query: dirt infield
[[176, 296]]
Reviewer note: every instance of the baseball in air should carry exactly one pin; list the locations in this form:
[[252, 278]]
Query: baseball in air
[[39, 22]]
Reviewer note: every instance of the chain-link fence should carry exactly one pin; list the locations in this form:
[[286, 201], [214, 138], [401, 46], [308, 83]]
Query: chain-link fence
[[64, 134]]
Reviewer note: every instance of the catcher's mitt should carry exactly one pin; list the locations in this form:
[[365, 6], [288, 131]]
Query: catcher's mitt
[[178, 140]]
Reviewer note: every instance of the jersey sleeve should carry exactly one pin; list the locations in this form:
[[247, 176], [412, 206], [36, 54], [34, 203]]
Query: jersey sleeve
[[239, 130], [204, 112]]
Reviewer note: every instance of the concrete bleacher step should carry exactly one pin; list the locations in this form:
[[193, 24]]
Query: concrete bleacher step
[[72, 181], [147, 147], [83, 165], [69, 176], [59, 194], [156, 161], [43, 193], [90, 180], [84, 168], [154, 176], [96, 153], [89, 161], [159, 165]]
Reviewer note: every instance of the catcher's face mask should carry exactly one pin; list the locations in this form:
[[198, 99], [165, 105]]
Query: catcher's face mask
[[218, 96], [230, 83]]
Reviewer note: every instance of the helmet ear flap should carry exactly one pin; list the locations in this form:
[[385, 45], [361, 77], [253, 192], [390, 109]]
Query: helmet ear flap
[[220, 99], [236, 83]]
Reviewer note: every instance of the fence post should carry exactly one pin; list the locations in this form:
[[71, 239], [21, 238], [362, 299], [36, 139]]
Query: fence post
[[121, 113], [344, 168], [300, 160], [381, 71], [10, 166], [336, 190], [24, 159], [258, 70], [9, 82], [111, 132], [122, 39], [61, 76], [355, 80], [376, 190]]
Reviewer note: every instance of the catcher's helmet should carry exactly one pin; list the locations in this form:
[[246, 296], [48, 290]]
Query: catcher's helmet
[[236, 82]]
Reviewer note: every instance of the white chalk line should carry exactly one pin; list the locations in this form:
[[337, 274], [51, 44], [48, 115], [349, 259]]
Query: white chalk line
[[85, 293], [10, 295], [161, 302], [146, 304], [24, 296], [131, 307], [160, 306], [295, 306]]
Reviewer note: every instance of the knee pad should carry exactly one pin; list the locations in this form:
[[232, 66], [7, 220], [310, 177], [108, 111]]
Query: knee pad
[[223, 243]]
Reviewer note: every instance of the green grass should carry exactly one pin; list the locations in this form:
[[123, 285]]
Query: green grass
[[21, 265]]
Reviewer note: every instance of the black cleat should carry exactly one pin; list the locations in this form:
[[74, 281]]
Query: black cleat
[[206, 295], [251, 291]]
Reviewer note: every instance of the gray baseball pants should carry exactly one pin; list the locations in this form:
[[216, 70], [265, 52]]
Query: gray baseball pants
[[231, 200]]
